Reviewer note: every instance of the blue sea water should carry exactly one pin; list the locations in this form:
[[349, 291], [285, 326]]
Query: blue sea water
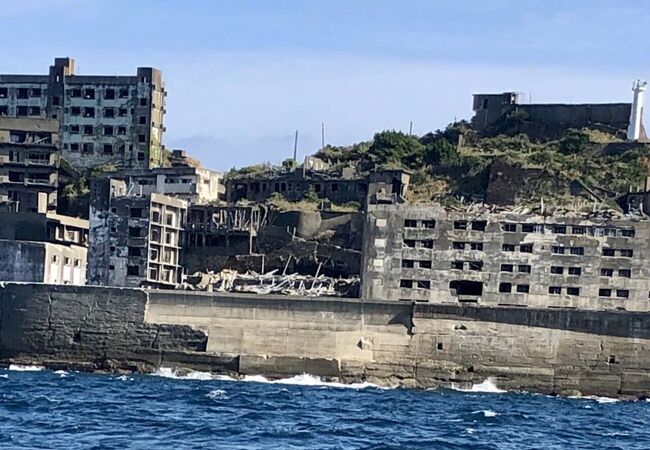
[[44, 409]]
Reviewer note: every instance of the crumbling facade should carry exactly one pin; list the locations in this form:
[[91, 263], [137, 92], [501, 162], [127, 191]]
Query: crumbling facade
[[29, 161], [134, 240], [436, 255], [387, 186], [195, 185], [103, 119], [44, 248]]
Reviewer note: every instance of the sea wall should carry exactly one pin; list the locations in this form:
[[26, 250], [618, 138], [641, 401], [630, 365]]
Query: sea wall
[[420, 345]]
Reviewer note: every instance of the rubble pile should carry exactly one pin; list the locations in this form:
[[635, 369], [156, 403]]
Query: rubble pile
[[273, 283]]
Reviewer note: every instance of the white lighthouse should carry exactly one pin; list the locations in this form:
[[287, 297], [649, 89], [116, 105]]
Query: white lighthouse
[[634, 129]]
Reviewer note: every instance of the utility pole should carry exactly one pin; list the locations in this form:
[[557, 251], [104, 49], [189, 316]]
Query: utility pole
[[322, 135], [295, 148], [411, 128]]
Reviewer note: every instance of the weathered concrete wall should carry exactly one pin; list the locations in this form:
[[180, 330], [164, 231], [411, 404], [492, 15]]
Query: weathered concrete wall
[[425, 345]]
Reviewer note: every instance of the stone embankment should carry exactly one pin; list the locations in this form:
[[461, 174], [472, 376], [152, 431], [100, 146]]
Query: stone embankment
[[553, 351]]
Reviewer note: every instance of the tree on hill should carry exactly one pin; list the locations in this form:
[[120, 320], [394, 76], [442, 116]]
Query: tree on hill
[[396, 149]]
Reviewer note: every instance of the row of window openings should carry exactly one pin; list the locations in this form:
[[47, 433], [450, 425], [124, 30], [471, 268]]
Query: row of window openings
[[109, 149], [109, 94], [89, 129], [66, 261], [411, 263], [108, 113], [22, 92], [412, 223], [563, 229], [412, 243]]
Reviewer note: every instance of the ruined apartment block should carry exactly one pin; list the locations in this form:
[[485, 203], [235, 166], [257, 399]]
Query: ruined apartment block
[[195, 185], [103, 119], [29, 161], [43, 248], [430, 254], [387, 186], [135, 240]]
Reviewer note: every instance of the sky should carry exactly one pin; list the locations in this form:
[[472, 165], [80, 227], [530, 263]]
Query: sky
[[244, 75]]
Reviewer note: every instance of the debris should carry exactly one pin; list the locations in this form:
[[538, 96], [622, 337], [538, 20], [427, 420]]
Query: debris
[[271, 283]]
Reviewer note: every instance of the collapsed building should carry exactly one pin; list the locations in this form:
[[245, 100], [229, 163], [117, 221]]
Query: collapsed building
[[43, 247], [103, 119]]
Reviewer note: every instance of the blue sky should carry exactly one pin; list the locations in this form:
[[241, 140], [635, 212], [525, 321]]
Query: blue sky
[[243, 75]]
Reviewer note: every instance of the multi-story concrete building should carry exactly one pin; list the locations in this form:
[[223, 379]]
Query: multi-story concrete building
[[43, 248], [430, 254], [134, 240], [29, 160], [195, 185], [103, 119]]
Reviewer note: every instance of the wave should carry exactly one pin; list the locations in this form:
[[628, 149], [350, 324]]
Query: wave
[[168, 372], [61, 373], [486, 413], [21, 368], [311, 380], [217, 394], [488, 385], [595, 398]]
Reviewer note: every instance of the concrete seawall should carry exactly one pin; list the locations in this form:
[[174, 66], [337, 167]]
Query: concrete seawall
[[419, 345]]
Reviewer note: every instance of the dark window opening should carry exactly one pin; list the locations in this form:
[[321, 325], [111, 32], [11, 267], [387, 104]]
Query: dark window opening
[[56, 101], [507, 268], [423, 284], [559, 229], [89, 94], [465, 287], [88, 129], [509, 227], [143, 102], [609, 252], [554, 290], [4, 92], [476, 246], [124, 92], [577, 250], [460, 224], [428, 223], [109, 112], [606, 272], [121, 130], [524, 268], [409, 243], [557, 270], [135, 212], [142, 138], [75, 92], [573, 291], [406, 284], [108, 149], [89, 112], [627, 232], [408, 263], [109, 94], [556, 249], [108, 130], [458, 245], [627, 253], [577, 271], [476, 265], [75, 111], [133, 270], [523, 288], [425, 264], [439, 346], [134, 251], [508, 248], [479, 225], [428, 243], [625, 273], [526, 248], [457, 265], [134, 231], [122, 112], [22, 92], [21, 111], [505, 287], [140, 156], [410, 223], [604, 292], [142, 120], [622, 293]]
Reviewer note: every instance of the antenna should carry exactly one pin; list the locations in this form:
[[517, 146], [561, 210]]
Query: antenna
[[411, 128]]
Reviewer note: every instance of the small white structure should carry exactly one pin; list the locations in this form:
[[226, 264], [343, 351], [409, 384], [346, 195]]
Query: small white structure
[[634, 129]]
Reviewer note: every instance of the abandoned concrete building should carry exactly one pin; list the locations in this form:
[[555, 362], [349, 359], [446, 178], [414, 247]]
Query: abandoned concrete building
[[43, 248], [29, 161], [430, 254], [103, 119], [135, 240], [495, 112], [293, 185], [192, 183]]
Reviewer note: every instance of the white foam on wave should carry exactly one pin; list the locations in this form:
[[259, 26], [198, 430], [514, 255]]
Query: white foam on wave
[[4, 375], [21, 368], [486, 413], [486, 385], [310, 380], [167, 372], [595, 398], [61, 373], [217, 394]]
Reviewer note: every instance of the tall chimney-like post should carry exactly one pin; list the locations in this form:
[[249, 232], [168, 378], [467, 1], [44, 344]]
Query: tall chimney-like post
[[634, 129]]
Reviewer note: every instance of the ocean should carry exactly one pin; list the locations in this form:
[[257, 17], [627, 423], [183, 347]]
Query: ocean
[[41, 409]]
